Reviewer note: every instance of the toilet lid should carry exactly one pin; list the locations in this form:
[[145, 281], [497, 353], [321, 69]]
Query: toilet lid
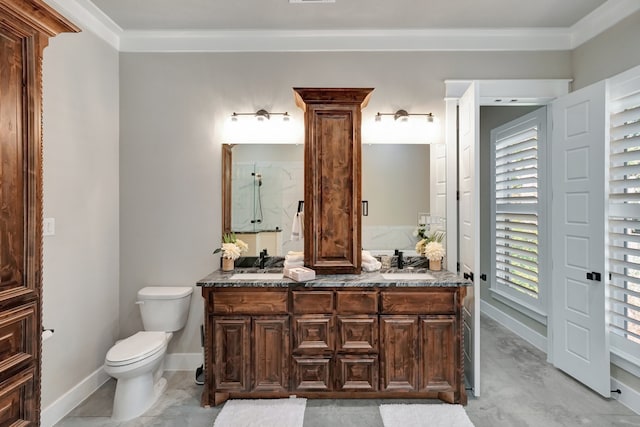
[[136, 347]]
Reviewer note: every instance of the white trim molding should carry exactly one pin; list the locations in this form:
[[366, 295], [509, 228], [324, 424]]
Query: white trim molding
[[534, 338], [76, 395], [601, 19], [628, 396], [509, 39], [86, 15]]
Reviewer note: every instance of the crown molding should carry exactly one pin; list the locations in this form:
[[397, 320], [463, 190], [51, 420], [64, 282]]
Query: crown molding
[[345, 40], [86, 15], [601, 19]]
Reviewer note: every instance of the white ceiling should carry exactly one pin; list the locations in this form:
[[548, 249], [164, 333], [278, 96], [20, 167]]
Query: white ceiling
[[343, 14], [346, 25]]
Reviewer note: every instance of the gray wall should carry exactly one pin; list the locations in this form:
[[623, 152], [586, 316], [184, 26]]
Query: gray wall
[[81, 180], [608, 54], [172, 111]]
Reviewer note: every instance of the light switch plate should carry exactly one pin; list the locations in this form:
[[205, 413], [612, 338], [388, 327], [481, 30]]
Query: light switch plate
[[49, 227]]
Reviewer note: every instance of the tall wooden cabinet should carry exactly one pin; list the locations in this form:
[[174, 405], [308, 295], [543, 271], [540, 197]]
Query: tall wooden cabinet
[[332, 182], [25, 26]]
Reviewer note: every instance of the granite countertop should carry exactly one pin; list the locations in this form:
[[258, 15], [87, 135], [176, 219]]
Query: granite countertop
[[373, 279]]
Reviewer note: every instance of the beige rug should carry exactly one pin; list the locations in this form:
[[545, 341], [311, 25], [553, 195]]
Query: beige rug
[[262, 413], [434, 415]]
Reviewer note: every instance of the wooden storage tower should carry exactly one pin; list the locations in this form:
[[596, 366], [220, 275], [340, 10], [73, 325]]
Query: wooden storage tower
[[332, 178]]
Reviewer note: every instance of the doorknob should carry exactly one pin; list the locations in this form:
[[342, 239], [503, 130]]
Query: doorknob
[[594, 276]]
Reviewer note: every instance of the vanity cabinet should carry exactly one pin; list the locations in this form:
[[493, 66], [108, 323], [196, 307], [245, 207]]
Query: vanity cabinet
[[250, 341], [332, 180], [333, 342]]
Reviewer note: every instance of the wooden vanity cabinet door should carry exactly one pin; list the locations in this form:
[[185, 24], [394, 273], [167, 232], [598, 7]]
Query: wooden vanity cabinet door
[[399, 353], [271, 353], [232, 355], [438, 354], [332, 187]]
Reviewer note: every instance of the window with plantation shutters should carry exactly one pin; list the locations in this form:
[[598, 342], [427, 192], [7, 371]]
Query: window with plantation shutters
[[516, 208], [624, 211]]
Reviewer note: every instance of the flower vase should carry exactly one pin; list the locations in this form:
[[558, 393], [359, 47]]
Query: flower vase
[[435, 264], [227, 264]]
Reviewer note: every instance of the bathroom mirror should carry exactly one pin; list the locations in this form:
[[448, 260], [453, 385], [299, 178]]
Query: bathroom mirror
[[263, 184]]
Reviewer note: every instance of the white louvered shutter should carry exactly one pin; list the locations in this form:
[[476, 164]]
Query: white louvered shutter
[[624, 208], [516, 210]]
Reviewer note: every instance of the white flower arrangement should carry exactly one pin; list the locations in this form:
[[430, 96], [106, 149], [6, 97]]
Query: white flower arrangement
[[232, 247], [435, 237], [434, 251]]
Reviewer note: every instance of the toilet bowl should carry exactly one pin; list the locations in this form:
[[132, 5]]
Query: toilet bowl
[[137, 362]]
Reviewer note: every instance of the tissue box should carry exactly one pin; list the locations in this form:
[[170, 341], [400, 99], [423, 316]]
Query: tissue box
[[300, 274]]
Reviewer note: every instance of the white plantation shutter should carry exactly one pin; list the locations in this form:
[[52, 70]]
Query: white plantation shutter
[[516, 208], [624, 208]]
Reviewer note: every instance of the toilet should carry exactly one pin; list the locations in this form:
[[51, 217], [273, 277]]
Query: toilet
[[137, 362]]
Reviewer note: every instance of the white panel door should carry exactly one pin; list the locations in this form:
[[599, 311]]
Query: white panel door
[[579, 329], [469, 211]]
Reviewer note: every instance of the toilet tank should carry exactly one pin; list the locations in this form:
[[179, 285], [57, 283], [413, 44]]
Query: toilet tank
[[164, 308]]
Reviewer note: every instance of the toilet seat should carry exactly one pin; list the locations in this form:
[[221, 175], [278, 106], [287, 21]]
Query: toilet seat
[[135, 348]]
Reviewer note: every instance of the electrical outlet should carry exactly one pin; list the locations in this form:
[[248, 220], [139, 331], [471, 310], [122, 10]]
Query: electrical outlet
[[48, 226]]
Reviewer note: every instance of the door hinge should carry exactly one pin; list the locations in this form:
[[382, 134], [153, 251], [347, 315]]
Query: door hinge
[[468, 275], [457, 195]]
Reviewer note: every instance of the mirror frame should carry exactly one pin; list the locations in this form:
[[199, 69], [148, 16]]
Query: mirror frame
[[227, 166]]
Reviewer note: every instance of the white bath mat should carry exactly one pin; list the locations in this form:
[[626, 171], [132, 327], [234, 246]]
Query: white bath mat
[[435, 415], [262, 413]]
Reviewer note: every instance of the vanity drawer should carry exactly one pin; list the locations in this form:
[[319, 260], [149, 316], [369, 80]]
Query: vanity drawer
[[310, 302], [356, 302], [249, 302], [436, 302]]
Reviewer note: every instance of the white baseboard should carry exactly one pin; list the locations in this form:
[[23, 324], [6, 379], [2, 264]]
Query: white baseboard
[[85, 388], [534, 338], [65, 403], [183, 361], [629, 397]]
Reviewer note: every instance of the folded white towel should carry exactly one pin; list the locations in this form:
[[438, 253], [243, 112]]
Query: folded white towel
[[366, 256], [288, 264], [294, 258], [297, 228], [371, 266], [295, 253]]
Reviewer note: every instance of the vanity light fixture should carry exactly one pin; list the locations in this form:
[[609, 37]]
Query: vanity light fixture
[[403, 116], [261, 115]]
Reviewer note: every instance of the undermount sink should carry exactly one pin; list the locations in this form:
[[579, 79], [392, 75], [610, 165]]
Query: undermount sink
[[407, 276], [257, 276]]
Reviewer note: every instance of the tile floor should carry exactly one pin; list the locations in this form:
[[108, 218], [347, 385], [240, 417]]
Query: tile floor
[[519, 389]]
